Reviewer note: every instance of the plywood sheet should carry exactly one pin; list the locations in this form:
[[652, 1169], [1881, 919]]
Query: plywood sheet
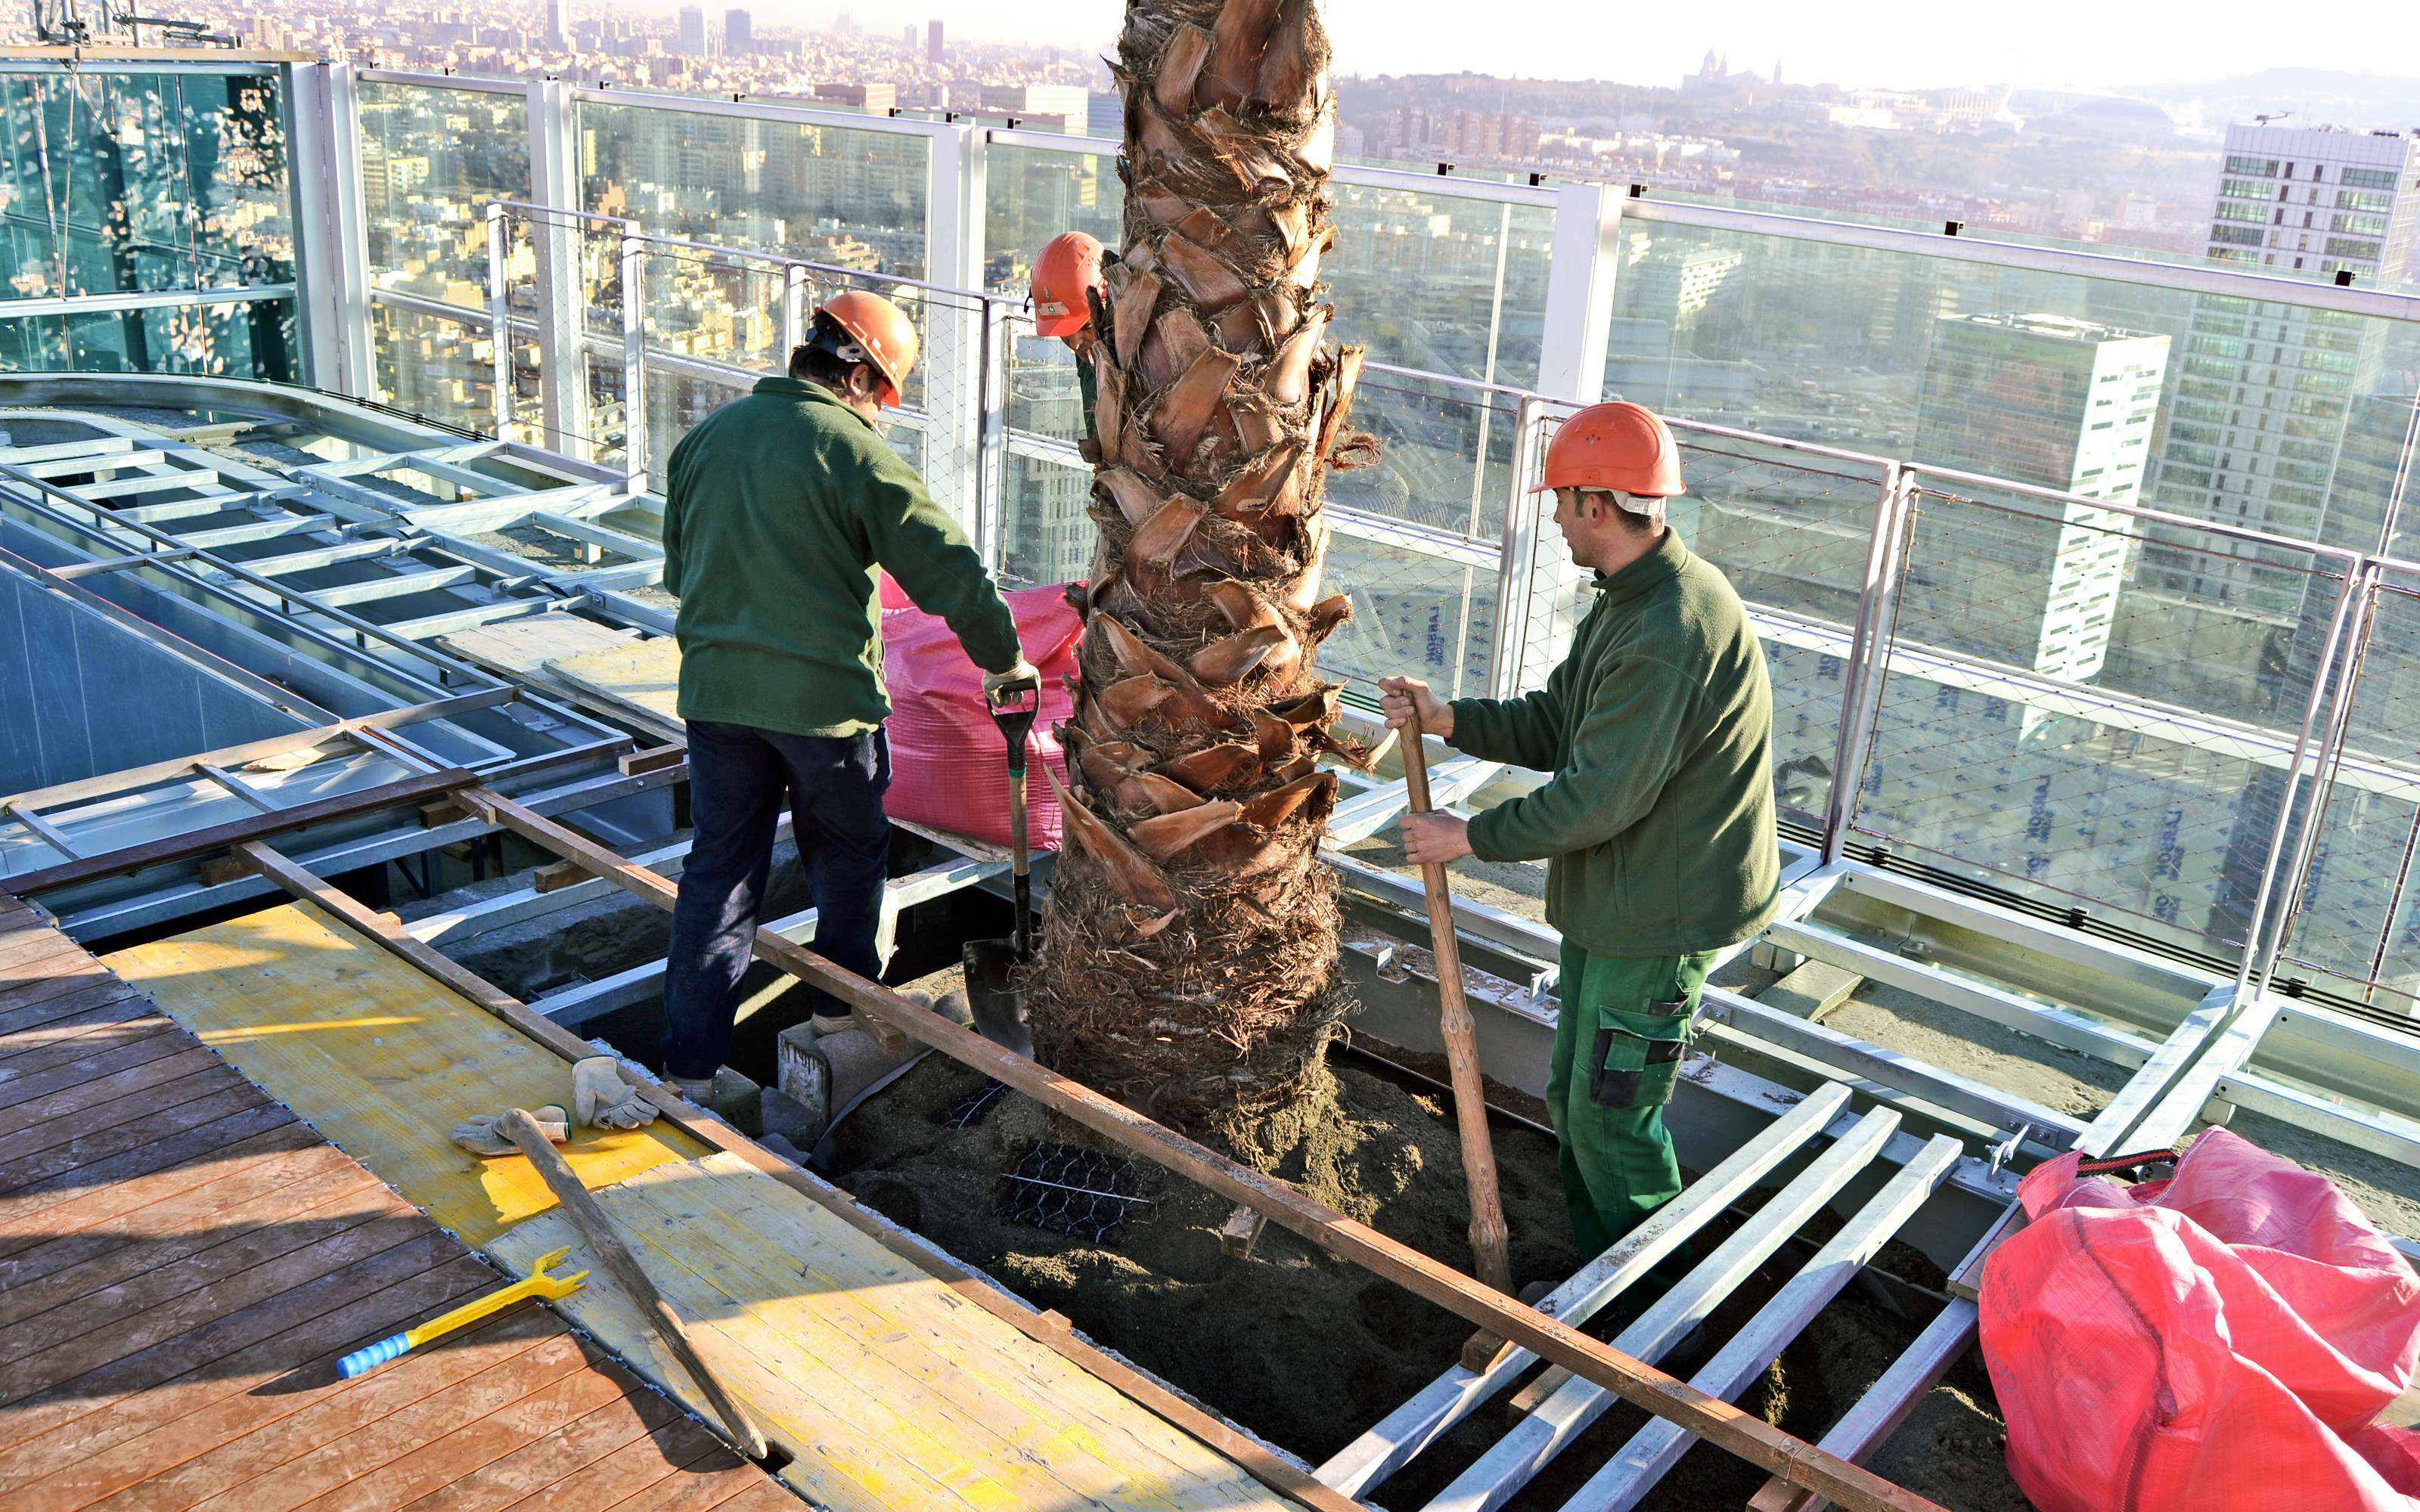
[[521, 648], [894, 1391], [641, 676], [381, 1060]]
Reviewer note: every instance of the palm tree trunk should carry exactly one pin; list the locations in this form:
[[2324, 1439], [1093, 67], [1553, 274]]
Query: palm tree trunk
[[1189, 962]]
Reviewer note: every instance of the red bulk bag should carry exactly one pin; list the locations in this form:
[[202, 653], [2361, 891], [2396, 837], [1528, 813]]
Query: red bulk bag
[[949, 765], [2221, 1341]]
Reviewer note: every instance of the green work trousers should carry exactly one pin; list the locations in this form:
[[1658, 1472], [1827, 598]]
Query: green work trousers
[[1618, 1044]]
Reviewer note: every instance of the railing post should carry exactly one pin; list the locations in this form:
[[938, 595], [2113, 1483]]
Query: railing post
[[1579, 293], [2340, 666], [332, 245], [1515, 558], [634, 366], [562, 316], [991, 437], [794, 310], [2332, 694], [500, 334], [1861, 676]]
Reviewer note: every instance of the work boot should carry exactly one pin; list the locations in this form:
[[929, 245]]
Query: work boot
[[727, 1095]]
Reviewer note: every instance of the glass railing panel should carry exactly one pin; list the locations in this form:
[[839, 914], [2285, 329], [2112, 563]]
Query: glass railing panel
[[1444, 283], [245, 339], [2046, 725], [436, 369], [1047, 531], [1031, 194], [431, 160], [1445, 454], [1415, 614], [837, 195], [143, 182], [2356, 919]]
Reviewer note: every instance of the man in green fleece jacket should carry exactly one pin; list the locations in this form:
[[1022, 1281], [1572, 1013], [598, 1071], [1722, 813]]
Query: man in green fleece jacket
[[1657, 825], [778, 510]]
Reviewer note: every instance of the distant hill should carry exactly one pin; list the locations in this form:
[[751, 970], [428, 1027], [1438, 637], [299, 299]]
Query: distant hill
[[2316, 97]]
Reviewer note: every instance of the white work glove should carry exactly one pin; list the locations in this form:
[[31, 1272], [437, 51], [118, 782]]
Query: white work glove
[[1022, 672], [481, 1137], [604, 1098]]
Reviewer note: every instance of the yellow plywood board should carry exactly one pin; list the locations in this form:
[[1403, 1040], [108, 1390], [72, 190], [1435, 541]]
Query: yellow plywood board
[[643, 675], [892, 1390], [381, 1060]]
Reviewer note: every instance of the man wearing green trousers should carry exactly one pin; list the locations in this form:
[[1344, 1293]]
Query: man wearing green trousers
[[1657, 823]]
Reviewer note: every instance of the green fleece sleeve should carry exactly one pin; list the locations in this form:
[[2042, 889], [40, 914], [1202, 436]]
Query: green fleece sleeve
[[1629, 743], [676, 510], [1523, 732], [929, 556]]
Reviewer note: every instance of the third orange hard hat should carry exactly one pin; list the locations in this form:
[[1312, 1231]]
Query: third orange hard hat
[[1068, 264], [1617, 447], [883, 329]]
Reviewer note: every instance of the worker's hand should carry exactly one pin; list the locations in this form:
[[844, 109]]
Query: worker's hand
[[1022, 672], [604, 1098], [1403, 694], [1434, 837]]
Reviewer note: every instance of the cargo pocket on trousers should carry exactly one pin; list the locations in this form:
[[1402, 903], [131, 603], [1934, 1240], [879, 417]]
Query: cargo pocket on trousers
[[1638, 1055]]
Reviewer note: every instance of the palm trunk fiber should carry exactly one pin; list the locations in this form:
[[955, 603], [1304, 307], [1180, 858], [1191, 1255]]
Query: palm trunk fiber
[[1189, 963]]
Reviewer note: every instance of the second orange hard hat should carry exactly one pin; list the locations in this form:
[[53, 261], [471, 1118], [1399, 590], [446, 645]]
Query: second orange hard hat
[[882, 329], [1618, 448], [1067, 266]]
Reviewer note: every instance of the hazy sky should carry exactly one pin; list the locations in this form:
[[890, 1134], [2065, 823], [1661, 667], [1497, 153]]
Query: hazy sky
[[1905, 43]]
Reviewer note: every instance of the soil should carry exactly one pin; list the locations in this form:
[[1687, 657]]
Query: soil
[[1308, 1351]]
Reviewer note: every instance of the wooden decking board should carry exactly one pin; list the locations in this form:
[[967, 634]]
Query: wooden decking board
[[679, 1442], [106, 1257], [117, 1008], [76, 1199], [183, 1261], [112, 1129], [198, 1214], [89, 1068], [21, 998], [296, 1238], [231, 1443], [726, 1476]]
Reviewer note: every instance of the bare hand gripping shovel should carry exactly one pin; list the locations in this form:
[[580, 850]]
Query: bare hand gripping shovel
[[992, 990]]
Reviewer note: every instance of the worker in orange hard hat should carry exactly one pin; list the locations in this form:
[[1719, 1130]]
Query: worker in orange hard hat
[[1067, 273], [1657, 825], [778, 510]]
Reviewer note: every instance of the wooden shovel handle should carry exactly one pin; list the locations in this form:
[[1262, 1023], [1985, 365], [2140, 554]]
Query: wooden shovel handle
[[1488, 1236]]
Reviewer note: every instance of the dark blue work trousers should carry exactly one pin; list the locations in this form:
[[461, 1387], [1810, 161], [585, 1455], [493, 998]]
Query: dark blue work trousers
[[737, 777]]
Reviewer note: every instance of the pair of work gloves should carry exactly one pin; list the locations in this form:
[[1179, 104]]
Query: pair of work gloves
[[601, 1095]]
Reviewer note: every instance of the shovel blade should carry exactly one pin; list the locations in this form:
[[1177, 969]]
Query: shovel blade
[[992, 991]]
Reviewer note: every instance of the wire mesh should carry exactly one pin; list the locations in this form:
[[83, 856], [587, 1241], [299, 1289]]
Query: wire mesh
[[2056, 715], [971, 1109], [1074, 1190]]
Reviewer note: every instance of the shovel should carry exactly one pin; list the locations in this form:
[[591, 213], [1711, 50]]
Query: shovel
[[992, 991]]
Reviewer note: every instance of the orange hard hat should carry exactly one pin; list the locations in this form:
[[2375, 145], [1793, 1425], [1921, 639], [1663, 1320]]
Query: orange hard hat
[[1618, 448], [882, 331], [1068, 264]]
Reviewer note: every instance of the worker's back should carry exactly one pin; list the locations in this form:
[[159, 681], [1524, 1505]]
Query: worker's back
[[778, 509]]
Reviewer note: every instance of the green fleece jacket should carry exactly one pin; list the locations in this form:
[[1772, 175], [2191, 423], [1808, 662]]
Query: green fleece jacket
[[1657, 826], [780, 507]]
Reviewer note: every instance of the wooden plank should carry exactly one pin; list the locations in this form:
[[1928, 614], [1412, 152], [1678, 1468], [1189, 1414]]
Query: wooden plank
[[403, 1456], [669, 1452], [65, 1048], [35, 953], [623, 1420], [297, 1237], [643, 676], [192, 1102], [133, 858], [121, 1007], [31, 1002], [301, 1005], [233, 1440], [83, 1063], [40, 1436], [1709, 1417], [57, 1275], [61, 1199], [85, 1206], [523, 647], [184, 1214], [178, 1317], [701, 1487], [119, 1071]]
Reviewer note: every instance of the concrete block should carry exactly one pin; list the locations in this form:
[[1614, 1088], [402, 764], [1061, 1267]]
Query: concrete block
[[804, 1078], [785, 1118], [1812, 991]]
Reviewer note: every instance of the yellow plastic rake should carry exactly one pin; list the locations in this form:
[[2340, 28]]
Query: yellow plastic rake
[[539, 1285]]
